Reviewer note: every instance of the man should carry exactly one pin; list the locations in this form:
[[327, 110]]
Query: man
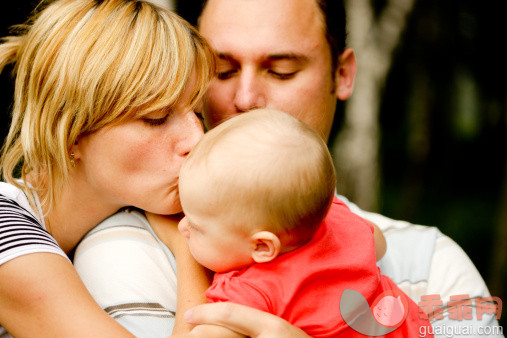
[[283, 54], [290, 55]]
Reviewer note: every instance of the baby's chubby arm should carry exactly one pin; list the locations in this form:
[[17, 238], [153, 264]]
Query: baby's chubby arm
[[380, 242]]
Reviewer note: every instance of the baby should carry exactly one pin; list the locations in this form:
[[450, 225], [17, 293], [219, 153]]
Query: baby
[[258, 196]]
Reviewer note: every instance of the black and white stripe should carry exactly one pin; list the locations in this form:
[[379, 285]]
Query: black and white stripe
[[21, 231]]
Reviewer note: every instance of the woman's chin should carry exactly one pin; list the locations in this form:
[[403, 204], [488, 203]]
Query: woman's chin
[[173, 210]]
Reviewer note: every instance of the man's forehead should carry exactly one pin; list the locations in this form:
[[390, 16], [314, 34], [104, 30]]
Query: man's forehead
[[290, 19], [268, 27], [259, 5]]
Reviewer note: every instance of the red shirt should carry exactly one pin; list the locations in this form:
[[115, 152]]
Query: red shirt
[[304, 286]]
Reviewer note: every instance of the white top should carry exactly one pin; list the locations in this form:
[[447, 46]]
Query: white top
[[130, 273]]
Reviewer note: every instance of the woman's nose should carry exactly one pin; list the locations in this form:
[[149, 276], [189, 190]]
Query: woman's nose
[[192, 131]]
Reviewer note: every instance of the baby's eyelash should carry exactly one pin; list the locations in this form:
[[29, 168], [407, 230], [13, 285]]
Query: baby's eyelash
[[192, 227]]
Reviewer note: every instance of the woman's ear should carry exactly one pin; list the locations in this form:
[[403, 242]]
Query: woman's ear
[[75, 149], [345, 74], [266, 246]]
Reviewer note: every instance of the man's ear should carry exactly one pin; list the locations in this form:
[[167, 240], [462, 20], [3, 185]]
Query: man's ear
[[266, 246], [345, 74]]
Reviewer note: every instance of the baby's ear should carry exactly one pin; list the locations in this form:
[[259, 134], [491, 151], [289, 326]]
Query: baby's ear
[[266, 246]]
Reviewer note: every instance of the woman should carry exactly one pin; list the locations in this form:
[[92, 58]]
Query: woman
[[102, 119]]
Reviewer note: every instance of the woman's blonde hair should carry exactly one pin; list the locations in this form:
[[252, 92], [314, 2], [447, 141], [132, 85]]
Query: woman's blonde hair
[[81, 65], [265, 169]]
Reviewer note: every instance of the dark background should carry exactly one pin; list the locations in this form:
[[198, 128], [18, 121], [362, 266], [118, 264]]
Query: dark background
[[443, 125]]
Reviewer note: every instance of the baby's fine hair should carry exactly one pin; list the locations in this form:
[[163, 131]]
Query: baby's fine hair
[[267, 168], [80, 65]]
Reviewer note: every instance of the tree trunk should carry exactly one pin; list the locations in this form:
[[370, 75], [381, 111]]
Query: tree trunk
[[357, 145]]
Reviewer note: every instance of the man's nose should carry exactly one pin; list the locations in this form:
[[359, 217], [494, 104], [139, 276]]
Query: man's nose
[[250, 92]]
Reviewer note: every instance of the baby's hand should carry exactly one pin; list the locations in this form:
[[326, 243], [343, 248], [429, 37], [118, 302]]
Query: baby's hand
[[166, 228]]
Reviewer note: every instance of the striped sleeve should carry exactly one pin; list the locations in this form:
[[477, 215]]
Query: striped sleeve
[[21, 233]]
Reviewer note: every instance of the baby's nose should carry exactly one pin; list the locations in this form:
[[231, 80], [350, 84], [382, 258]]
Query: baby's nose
[[182, 227]]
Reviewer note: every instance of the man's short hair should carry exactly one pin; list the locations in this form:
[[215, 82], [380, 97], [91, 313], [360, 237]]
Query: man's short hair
[[336, 21]]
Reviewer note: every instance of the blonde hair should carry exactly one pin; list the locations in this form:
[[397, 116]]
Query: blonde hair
[[81, 65], [265, 168]]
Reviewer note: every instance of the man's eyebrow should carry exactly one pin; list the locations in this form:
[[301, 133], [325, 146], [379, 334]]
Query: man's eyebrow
[[225, 56], [300, 58], [288, 56]]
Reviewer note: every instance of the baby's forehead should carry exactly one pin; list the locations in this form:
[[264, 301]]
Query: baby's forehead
[[251, 149]]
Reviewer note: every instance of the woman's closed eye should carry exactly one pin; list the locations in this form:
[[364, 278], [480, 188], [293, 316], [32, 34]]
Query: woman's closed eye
[[155, 121]]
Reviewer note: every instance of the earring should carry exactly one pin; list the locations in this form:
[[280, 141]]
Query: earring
[[72, 162]]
